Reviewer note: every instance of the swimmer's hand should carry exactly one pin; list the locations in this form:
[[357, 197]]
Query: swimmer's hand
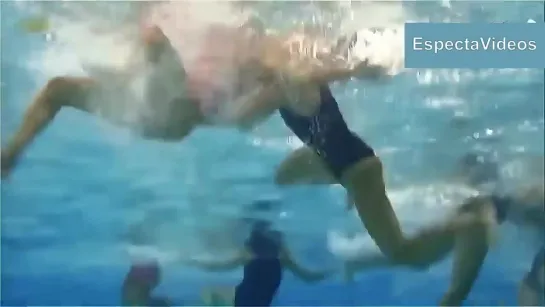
[[366, 70], [232, 263], [299, 271]]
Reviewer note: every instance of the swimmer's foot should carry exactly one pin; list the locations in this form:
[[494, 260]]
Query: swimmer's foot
[[7, 163]]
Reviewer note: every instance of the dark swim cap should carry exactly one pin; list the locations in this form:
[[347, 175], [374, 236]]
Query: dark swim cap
[[253, 211], [263, 205]]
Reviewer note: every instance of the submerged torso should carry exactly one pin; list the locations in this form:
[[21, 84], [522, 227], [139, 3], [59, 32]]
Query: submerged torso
[[263, 274]]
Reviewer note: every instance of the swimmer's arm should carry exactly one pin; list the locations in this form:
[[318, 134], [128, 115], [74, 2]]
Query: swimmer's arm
[[313, 71], [300, 272], [331, 73], [258, 105], [320, 73], [235, 262]]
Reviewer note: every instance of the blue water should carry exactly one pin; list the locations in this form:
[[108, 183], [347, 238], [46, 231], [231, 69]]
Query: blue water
[[64, 221]]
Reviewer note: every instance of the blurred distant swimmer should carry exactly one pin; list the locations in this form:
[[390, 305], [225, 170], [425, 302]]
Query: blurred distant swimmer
[[233, 81], [264, 258], [524, 207]]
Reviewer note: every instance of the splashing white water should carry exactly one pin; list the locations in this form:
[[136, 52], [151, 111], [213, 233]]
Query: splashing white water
[[104, 34]]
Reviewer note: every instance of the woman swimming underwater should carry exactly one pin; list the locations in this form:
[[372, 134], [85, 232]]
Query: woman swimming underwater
[[264, 258], [523, 207], [334, 154]]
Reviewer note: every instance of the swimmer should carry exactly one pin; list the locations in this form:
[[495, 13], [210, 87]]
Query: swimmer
[[471, 244], [173, 116], [173, 97], [335, 154], [177, 100], [264, 258], [139, 284]]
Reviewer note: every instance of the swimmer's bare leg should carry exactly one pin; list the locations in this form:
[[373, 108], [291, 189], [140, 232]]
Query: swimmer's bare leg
[[365, 182], [304, 166], [470, 246], [470, 249], [58, 92]]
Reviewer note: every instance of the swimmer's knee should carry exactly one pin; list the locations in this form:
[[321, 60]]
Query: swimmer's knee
[[61, 83], [61, 91], [481, 212], [365, 176]]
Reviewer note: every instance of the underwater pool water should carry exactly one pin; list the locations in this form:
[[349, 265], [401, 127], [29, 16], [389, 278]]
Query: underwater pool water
[[65, 222]]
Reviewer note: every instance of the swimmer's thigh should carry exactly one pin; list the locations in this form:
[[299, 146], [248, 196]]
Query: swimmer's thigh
[[303, 166], [91, 96], [364, 181]]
